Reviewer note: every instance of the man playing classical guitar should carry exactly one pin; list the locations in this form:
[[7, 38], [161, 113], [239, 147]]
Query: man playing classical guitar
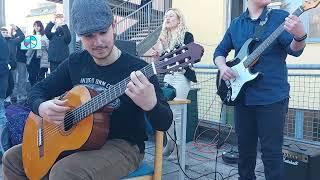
[[99, 66], [261, 110]]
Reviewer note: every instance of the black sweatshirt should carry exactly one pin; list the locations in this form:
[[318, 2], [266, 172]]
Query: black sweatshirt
[[58, 42], [4, 70], [14, 44], [127, 120]]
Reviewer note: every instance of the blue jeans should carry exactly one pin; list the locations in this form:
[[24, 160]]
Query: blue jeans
[[265, 122], [4, 134]]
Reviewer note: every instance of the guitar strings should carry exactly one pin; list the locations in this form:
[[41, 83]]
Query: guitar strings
[[81, 110], [84, 107], [68, 119]]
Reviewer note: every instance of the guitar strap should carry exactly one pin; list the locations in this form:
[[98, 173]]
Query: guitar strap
[[259, 29]]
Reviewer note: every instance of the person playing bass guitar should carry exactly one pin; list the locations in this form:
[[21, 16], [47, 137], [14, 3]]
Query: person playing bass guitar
[[261, 109]]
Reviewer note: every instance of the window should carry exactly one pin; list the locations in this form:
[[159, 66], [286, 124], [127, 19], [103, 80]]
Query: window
[[310, 18], [314, 24], [234, 9]]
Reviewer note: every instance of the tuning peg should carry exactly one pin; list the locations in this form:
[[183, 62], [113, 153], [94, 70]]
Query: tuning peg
[[165, 59], [186, 59], [177, 63]]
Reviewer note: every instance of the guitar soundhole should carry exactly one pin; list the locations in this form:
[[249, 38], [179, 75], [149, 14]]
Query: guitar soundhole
[[68, 121]]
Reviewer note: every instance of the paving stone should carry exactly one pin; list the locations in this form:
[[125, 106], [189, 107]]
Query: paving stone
[[201, 161]]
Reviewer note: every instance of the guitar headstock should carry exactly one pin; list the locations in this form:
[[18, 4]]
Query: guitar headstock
[[310, 4], [180, 58]]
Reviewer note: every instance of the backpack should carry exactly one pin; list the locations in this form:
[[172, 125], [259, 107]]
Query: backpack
[[168, 91], [16, 118]]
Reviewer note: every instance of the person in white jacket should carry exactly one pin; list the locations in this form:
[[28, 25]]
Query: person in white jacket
[[37, 60]]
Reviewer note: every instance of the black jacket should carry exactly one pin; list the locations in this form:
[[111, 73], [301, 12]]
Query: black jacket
[[190, 74], [4, 71], [58, 42], [21, 55], [14, 44]]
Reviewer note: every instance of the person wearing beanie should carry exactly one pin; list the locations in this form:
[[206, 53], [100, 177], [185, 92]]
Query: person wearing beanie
[[100, 66]]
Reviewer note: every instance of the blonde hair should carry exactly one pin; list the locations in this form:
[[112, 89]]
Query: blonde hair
[[175, 37]]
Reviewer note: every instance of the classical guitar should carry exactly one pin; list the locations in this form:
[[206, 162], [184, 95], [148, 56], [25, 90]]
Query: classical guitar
[[229, 90], [44, 142]]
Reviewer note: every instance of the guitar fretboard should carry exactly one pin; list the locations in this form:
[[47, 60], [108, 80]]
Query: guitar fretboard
[[266, 43], [105, 97], [170, 62]]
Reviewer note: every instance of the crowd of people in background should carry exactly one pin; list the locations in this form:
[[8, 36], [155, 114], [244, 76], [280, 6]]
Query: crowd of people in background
[[20, 69], [27, 67]]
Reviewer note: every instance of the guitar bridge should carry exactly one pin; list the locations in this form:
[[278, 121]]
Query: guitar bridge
[[40, 139]]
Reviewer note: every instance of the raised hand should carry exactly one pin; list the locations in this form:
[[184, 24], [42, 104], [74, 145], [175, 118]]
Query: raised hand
[[54, 19], [14, 27]]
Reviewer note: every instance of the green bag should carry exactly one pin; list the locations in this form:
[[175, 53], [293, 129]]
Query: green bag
[[169, 91]]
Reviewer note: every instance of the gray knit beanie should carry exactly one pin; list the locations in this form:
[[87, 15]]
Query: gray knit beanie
[[90, 16]]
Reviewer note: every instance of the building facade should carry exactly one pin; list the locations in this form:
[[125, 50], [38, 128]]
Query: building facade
[[209, 19], [2, 13]]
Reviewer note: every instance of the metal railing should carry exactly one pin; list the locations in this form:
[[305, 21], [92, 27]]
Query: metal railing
[[141, 22], [303, 118], [123, 8]]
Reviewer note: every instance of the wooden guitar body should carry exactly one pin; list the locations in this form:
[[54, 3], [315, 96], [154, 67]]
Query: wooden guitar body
[[43, 141]]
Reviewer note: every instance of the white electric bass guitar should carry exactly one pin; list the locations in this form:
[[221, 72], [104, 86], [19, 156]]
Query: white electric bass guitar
[[229, 90]]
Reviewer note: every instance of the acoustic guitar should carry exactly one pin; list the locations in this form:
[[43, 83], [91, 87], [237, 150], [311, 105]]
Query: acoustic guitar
[[44, 142], [229, 90]]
